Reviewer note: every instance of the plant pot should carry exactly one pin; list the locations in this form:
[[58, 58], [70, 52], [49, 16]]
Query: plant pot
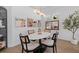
[[75, 42]]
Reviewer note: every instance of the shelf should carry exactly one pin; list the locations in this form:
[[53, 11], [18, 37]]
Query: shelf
[[2, 26], [1, 35], [2, 44]]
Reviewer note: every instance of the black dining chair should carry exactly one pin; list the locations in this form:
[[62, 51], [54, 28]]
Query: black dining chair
[[27, 45], [51, 42]]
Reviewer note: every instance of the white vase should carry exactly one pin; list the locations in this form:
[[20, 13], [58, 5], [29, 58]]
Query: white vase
[[75, 42]]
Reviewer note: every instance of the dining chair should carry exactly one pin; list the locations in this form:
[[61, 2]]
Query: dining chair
[[45, 30], [31, 32], [27, 45], [51, 42]]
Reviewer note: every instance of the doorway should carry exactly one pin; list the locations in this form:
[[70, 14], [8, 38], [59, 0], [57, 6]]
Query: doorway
[[3, 27]]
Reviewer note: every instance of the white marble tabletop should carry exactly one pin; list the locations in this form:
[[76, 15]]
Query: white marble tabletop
[[37, 36]]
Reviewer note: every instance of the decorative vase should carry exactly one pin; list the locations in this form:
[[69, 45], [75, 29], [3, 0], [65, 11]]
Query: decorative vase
[[75, 42]]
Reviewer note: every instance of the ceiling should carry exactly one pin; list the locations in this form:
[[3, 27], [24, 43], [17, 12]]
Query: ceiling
[[49, 10]]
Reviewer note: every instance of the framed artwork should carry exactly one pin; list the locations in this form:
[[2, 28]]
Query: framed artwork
[[52, 25], [20, 22], [31, 22], [48, 25]]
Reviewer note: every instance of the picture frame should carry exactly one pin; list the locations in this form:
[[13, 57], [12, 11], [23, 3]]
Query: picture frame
[[20, 22], [31, 22], [52, 25]]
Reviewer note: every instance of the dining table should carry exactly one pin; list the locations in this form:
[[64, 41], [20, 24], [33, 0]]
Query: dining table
[[39, 36]]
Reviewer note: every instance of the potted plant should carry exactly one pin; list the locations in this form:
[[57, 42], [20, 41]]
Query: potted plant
[[54, 17], [72, 24]]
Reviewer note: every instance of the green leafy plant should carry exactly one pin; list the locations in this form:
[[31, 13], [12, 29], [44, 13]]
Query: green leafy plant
[[72, 23], [54, 17]]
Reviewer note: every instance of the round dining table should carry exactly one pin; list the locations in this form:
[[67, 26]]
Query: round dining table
[[39, 36]]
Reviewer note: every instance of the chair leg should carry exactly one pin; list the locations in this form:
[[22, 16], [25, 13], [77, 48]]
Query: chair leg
[[56, 48], [22, 50], [53, 49]]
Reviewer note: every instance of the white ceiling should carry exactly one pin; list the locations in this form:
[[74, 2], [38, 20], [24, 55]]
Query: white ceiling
[[49, 10]]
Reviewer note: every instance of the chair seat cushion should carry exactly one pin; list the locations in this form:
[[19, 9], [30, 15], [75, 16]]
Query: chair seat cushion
[[48, 42], [32, 45]]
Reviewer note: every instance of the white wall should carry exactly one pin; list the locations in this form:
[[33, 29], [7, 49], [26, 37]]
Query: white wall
[[22, 12]]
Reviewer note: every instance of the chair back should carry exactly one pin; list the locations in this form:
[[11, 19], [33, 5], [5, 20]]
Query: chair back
[[24, 39], [54, 37]]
